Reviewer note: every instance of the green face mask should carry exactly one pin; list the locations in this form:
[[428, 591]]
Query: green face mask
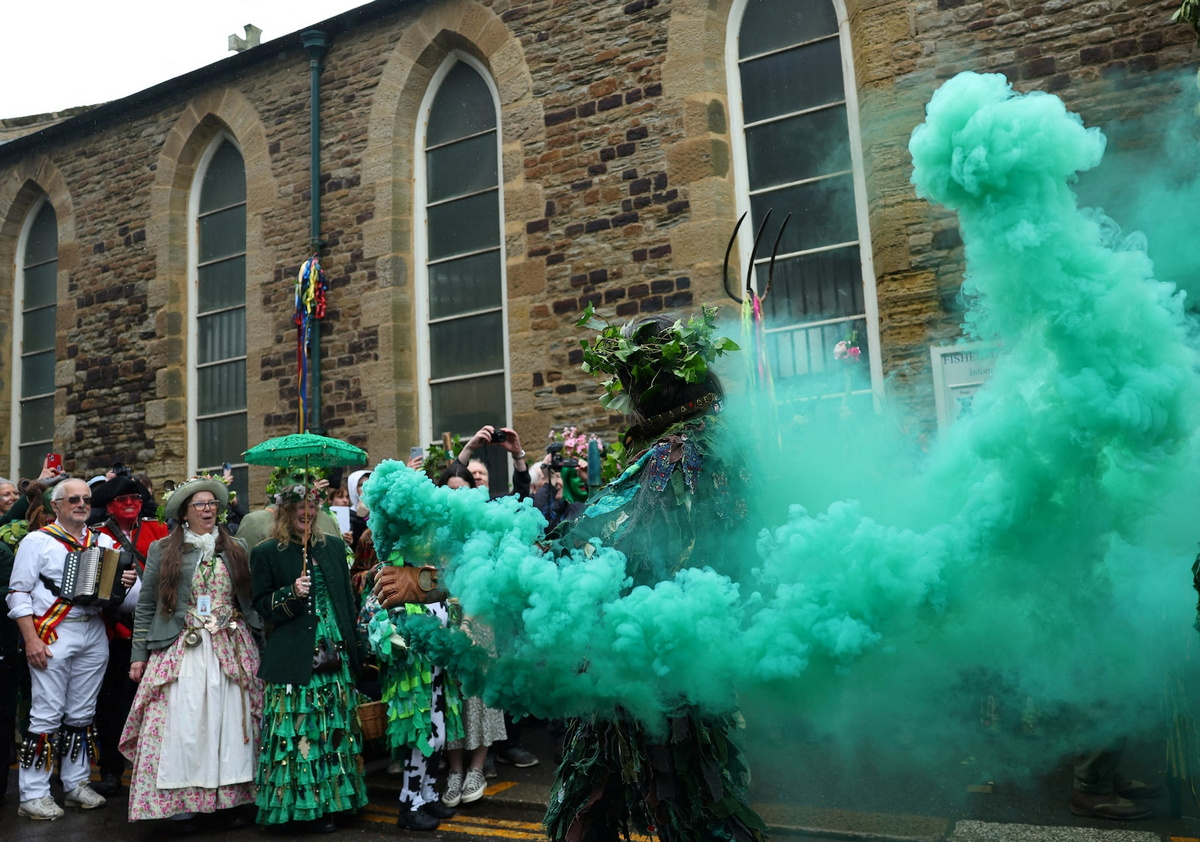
[[574, 490]]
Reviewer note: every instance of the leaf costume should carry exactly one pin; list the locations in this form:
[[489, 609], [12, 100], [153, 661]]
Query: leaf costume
[[407, 684], [674, 507]]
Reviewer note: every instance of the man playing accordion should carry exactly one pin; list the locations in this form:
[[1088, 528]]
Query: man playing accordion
[[67, 651]]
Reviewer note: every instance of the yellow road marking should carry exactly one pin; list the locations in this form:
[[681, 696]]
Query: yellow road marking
[[389, 813], [473, 826]]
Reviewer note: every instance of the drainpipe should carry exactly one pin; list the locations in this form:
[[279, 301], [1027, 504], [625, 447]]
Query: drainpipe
[[316, 44]]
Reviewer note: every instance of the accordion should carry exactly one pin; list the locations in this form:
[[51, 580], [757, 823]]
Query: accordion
[[92, 576]]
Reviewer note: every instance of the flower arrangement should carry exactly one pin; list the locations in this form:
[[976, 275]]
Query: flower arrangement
[[685, 352], [281, 477], [848, 349], [295, 494], [575, 443]]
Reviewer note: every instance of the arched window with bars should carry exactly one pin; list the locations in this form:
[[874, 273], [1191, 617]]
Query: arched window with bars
[[462, 310], [794, 109], [34, 336], [217, 340]]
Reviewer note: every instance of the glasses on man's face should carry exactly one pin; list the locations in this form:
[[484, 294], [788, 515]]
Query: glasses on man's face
[[128, 499], [76, 499], [201, 505]]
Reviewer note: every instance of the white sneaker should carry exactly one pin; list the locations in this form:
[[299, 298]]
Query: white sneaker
[[84, 796], [42, 809], [395, 769], [473, 786]]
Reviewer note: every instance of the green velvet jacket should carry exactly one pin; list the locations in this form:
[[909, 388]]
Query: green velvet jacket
[[291, 628]]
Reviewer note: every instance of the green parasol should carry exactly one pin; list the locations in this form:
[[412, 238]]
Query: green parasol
[[304, 450]]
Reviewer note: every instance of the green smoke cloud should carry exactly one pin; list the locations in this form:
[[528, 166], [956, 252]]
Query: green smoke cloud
[[1039, 551]]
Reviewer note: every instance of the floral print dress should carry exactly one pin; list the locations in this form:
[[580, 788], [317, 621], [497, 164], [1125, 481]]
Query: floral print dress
[[214, 680]]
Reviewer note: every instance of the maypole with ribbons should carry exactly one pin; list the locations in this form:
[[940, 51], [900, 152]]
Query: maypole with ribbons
[[310, 308]]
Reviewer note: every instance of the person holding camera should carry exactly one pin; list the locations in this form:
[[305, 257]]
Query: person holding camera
[[507, 438], [508, 749], [563, 497]]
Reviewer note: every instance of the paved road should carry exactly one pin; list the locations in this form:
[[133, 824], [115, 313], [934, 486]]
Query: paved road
[[817, 799]]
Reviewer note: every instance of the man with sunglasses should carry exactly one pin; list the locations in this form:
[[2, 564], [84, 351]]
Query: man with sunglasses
[[67, 651]]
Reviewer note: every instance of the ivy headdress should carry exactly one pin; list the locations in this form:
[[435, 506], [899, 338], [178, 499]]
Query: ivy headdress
[[646, 356]]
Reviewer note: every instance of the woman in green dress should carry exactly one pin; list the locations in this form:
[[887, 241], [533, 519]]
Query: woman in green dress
[[310, 763]]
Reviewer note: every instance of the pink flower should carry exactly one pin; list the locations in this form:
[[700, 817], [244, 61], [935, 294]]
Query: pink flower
[[845, 351]]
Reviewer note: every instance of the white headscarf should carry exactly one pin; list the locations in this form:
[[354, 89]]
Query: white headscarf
[[353, 484]]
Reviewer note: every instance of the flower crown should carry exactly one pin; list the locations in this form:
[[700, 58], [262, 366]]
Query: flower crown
[[684, 351], [296, 494], [281, 477]]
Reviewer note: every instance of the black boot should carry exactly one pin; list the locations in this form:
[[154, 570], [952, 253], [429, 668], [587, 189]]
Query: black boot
[[417, 819]]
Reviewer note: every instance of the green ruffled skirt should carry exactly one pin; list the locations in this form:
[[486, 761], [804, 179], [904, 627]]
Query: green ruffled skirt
[[310, 761]]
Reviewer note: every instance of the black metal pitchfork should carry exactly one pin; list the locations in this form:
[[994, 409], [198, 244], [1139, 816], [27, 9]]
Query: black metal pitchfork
[[750, 271]]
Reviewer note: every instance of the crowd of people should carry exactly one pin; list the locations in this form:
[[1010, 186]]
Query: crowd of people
[[225, 670], [229, 662], [228, 665]]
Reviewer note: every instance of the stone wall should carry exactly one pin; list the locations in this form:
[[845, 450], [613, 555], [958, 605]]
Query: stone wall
[[1111, 62], [619, 189]]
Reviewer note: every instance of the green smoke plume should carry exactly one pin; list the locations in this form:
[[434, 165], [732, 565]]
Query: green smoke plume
[[1040, 551]]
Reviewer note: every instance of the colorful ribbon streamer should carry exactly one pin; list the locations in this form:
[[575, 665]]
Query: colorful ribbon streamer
[[310, 306]]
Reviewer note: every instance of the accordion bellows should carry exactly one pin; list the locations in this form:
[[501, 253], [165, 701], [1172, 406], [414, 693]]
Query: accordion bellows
[[93, 576]]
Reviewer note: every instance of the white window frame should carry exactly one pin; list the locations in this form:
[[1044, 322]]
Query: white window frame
[[18, 328], [745, 242], [193, 299], [421, 253]]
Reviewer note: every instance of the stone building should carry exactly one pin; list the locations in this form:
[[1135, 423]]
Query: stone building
[[487, 168]]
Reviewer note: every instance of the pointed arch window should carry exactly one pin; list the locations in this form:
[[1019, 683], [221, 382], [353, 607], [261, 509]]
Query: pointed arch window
[[35, 336], [797, 156], [466, 383], [217, 340]]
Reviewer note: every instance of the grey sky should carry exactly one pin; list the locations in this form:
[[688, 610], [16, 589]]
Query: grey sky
[[64, 53]]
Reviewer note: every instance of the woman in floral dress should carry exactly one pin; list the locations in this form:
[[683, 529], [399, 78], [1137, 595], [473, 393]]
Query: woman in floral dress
[[310, 765], [192, 733]]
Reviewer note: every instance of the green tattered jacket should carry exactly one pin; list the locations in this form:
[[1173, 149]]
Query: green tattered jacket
[[291, 628]]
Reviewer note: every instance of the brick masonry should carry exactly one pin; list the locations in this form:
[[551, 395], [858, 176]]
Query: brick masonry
[[619, 189]]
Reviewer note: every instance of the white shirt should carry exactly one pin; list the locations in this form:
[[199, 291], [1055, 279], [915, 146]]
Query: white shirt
[[38, 555]]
